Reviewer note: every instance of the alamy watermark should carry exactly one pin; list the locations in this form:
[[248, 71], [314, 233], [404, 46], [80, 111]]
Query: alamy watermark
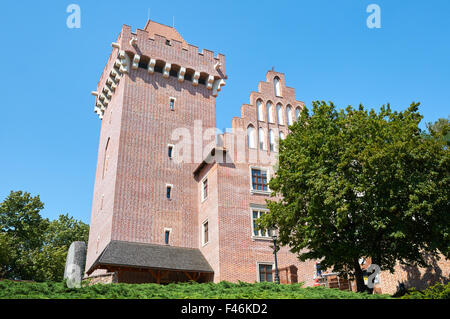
[[74, 19], [373, 278], [235, 145], [374, 19]]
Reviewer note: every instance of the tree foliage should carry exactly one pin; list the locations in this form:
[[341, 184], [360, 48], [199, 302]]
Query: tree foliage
[[356, 183], [32, 247], [440, 130]]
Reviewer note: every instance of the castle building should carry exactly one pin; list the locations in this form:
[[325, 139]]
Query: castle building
[[173, 200]]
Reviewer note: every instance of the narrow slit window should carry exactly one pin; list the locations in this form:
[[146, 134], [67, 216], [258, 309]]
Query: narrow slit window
[[205, 233], [170, 151], [251, 137], [169, 192], [167, 237], [205, 189], [272, 141], [262, 140], [172, 104], [277, 86]]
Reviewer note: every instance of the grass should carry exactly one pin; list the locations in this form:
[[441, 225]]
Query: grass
[[222, 290]]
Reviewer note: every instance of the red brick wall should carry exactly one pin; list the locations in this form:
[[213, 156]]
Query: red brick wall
[[129, 202], [419, 277], [240, 252]]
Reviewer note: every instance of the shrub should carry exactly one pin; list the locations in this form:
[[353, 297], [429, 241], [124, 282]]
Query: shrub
[[438, 291], [222, 290]]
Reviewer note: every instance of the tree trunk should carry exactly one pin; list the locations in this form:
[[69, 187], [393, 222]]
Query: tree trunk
[[360, 286]]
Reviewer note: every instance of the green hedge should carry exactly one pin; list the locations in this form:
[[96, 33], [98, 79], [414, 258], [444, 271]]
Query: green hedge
[[438, 291], [222, 290]]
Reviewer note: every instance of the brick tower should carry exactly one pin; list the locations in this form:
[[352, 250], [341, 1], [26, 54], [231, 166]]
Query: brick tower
[[144, 219]]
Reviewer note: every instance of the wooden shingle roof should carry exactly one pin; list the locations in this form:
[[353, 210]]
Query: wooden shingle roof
[[150, 256]]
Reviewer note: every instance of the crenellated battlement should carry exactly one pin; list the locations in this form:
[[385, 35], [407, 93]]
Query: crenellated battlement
[[163, 48], [160, 54]]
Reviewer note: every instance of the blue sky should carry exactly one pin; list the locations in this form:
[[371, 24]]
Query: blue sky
[[49, 132]]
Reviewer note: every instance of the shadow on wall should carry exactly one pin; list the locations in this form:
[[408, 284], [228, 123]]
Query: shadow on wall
[[421, 280]]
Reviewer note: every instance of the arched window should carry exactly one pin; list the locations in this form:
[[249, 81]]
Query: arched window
[[106, 158], [280, 114], [269, 112], [289, 115], [272, 141], [251, 136], [281, 135], [260, 110], [262, 140], [297, 113], [277, 85]]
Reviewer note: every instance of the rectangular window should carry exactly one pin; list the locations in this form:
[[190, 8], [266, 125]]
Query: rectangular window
[[205, 233], [259, 179], [167, 237], [265, 273], [204, 189], [256, 214], [172, 103], [170, 151], [169, 192]]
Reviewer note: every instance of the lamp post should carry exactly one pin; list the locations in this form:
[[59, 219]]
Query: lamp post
[[277, 277]]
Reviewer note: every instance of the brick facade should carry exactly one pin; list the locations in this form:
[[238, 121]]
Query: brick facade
[[134, 169]]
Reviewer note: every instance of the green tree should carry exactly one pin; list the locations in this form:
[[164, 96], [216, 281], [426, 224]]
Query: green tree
[[356, 183], [32, 247], [22, 229], [49, 261], [440, 130]]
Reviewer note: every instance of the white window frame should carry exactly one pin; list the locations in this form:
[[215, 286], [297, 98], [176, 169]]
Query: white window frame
[[203, 233], [264, 210], [202, 191], [255, 191]]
